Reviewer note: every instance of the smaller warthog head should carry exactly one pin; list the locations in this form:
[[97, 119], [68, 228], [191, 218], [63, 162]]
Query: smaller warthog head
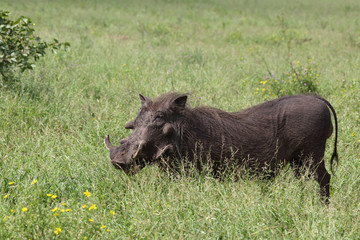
[[155, 133]]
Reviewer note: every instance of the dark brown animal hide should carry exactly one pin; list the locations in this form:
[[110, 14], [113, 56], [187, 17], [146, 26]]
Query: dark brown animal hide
[[288, 130]]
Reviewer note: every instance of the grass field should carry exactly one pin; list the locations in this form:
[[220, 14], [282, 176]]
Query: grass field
[[56, 180]]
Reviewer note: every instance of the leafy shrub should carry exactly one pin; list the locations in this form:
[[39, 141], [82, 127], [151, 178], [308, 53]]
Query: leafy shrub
[[19, 48], [301, 78]]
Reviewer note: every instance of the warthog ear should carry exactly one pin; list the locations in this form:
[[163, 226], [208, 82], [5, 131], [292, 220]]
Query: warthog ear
[[130, 125], [179, 103], [144, 101], [161, 151]]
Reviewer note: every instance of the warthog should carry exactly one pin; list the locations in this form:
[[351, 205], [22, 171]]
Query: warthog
[[291, 129]]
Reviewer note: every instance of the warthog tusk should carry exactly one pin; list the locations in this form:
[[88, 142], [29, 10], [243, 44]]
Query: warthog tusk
[[161, 151], [107, 142], [138, 151]]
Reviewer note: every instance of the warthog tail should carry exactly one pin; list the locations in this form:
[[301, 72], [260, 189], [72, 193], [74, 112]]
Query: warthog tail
[[335, 154]]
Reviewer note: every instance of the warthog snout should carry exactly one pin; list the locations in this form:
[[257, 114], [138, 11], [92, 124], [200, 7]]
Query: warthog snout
[[124, 156]]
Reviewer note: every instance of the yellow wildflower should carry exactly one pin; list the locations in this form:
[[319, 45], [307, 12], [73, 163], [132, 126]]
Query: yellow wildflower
[[92, 207], [56, 214], [24, 209], [57, 231], [84, 206], [351, 135], [68, 210], [90, 220], [62, 210], [6, 217], [263, 90], [112, 212], [6, 196], [49, 194], [12, 210], [33, 182], [64, 204], [87, 193], [54, 196], [103, 226], [108, 230], [55, 209], [11, 183]]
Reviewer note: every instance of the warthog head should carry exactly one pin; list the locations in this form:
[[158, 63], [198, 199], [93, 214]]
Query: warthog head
[[154, 133]]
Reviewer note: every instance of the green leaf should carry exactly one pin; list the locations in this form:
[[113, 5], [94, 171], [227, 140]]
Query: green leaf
[[20, 49]]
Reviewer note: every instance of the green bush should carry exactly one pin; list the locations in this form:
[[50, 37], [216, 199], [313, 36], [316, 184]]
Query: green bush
[[301, 78], [19, 48]]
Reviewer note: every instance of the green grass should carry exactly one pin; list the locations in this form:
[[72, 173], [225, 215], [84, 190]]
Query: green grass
[[53, 122]]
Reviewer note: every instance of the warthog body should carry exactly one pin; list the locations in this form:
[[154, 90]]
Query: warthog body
[[290, 129]]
